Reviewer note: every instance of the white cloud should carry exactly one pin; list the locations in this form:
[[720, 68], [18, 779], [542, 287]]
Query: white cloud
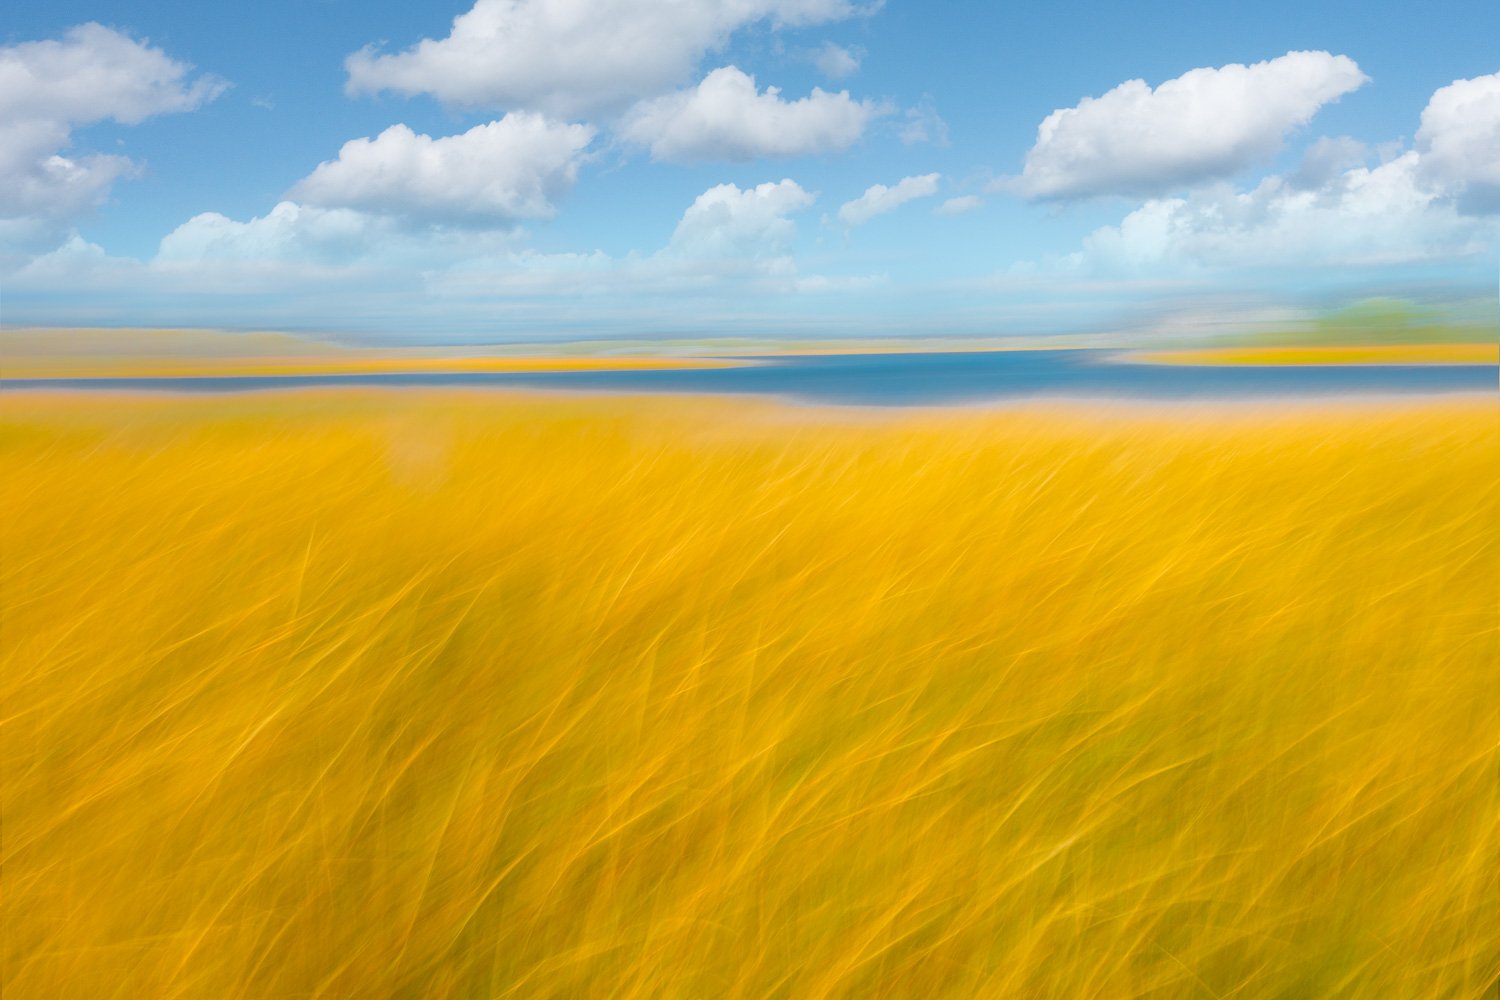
[[879, 199], [1362, 217], [1205, 125], [1459, 141], [835, 61], [960, 205], [50, 88], [726, 118], [571, 57], [42, 192], [725, 221], [94, 73], [502, 171]]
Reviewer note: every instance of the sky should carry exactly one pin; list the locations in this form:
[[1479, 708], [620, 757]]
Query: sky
[[539, 169]]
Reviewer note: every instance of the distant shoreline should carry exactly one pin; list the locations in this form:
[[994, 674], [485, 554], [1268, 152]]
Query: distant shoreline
[[27, 354], [882, 379], [1324, 354]]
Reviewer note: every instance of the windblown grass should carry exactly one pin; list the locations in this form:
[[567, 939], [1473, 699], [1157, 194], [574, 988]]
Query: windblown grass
[[400, 695]]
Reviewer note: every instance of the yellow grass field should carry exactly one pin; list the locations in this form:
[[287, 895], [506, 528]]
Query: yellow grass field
[[424, 695]]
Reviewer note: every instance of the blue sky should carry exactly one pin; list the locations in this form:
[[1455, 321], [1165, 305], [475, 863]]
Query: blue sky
[[565, 168]]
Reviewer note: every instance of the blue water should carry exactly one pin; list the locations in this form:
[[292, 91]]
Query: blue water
[[898, 379]]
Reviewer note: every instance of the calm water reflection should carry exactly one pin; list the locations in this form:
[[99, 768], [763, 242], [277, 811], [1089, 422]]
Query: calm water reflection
[[901, 379]]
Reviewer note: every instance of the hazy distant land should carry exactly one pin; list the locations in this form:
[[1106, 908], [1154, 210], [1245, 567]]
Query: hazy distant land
[[1372, 332]]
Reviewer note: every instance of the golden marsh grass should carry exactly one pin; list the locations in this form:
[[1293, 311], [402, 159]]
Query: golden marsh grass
[[369, 695]]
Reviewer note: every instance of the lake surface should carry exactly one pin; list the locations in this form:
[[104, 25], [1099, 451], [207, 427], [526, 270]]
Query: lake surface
[[917, 379]]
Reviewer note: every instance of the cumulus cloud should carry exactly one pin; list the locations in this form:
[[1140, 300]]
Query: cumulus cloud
[[42, 193], [725, 221], [1362, 217], [572, 57], [93, 73], [50, 88], [1459, 142], [879, 199], [726, 118], [499, 172], [1208, 124]]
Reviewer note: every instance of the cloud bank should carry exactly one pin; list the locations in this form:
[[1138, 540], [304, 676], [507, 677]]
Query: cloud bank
[[1363, 217]]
